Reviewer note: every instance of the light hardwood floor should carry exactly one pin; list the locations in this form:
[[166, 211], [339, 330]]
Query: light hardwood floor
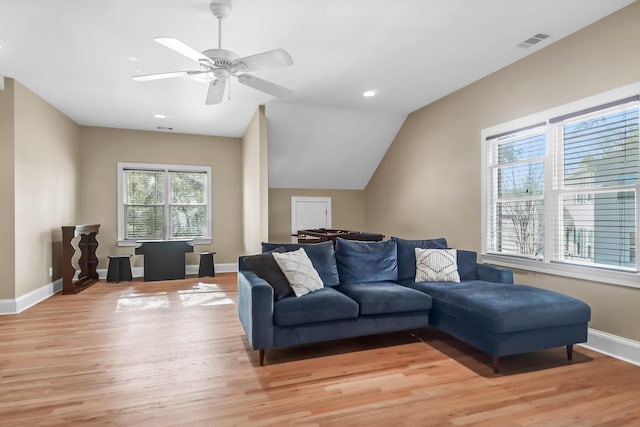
[[174, 354]]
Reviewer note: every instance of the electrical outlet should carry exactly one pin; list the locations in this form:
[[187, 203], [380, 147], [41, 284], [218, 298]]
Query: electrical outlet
[[50, 271]]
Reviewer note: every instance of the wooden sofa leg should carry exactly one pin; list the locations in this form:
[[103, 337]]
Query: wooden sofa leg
[[495, 362], [261, 356], [570, 352]]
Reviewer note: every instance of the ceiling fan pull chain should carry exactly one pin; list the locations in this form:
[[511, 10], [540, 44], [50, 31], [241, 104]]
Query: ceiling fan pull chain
[[229, 94]]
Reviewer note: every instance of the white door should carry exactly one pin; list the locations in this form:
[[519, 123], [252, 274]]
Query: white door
[[310, 212]]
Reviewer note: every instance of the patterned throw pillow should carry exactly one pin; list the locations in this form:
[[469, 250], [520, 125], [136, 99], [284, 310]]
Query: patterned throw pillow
[[437, 265], [299, 271]]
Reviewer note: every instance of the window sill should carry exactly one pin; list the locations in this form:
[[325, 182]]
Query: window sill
[[193, 242], [593, 274]]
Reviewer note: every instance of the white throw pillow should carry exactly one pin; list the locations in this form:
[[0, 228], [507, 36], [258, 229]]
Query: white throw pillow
[[437, 265], [299, 271]]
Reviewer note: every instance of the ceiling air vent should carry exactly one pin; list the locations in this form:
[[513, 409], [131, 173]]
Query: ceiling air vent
[[533, 40]]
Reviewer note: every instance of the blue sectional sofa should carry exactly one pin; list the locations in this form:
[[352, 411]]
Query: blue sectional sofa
[[370, 288]]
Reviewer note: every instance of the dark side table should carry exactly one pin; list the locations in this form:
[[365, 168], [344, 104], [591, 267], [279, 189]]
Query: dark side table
[[207, 267], [119, 268]]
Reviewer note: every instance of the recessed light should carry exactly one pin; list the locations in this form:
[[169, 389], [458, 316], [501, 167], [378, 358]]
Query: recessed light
[[369, 93], [159, 116]]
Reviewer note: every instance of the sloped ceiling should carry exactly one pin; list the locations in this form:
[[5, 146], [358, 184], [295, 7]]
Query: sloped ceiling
[[326, 147]]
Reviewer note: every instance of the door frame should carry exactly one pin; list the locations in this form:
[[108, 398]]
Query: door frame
[[294, 215]]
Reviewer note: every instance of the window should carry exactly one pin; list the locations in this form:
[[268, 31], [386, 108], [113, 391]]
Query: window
[[516, 168], [163, 202], [561, 194]]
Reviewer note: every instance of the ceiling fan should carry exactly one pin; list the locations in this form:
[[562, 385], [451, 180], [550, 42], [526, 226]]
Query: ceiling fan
[[216, 65]]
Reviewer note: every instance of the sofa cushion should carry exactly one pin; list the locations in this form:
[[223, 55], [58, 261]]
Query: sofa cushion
[[503, 308], [385, 297], [407, 255], [437, 265], [322, 257], [325, 304], [467, 264], [366, 261], [297, 267], [265, 266]]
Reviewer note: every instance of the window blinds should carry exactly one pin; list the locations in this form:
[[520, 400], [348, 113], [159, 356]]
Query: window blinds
[[144, 204], [516, 219], [187, 204], [165, 204], [600, 171]]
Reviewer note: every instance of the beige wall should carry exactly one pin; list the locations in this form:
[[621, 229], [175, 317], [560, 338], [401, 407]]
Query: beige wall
[[255, 182], [428, 184], [7, 211], [347, 210], [102, 148], [46, 158]]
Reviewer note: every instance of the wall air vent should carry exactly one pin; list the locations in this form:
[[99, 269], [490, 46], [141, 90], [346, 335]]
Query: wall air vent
[[533, 40]]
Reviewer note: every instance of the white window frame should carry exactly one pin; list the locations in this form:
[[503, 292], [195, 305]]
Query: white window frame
[[548, 265], [121, 191]]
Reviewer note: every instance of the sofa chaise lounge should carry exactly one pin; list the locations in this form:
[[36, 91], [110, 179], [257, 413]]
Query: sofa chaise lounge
[[370, 288]]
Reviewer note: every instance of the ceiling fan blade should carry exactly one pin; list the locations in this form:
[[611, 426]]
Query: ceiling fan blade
[[183, 49], [264, 86], [216, 91], [270, 59]]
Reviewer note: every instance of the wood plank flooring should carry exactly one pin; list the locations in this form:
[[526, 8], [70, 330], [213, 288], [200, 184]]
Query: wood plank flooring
[[174, 354]]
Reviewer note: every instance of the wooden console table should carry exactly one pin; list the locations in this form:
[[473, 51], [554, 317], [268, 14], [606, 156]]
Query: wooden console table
[[88, 261]]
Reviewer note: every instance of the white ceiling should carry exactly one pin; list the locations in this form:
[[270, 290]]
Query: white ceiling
[[79, 56]]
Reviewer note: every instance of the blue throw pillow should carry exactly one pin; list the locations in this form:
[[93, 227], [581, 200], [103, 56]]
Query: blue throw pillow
[[467, 262], [322, 257], [366, 261], [407, 254]]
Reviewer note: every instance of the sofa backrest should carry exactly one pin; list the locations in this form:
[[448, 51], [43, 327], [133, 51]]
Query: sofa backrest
[[322, 257], [467, 260], [467, 264], [407, 254], [360, 261]]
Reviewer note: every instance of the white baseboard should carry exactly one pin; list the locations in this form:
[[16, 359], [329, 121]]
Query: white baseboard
[[20, 304], [7, 306], [229, 267], [615, 346]]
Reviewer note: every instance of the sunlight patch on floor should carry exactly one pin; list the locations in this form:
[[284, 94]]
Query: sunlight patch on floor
[[142, 302], [201, 294]]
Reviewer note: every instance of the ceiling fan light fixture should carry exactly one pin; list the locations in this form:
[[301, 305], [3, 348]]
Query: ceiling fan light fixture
[[220, 73]]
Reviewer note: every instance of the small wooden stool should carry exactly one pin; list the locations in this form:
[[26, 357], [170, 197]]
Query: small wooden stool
[[119, 268], [207, 267]]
